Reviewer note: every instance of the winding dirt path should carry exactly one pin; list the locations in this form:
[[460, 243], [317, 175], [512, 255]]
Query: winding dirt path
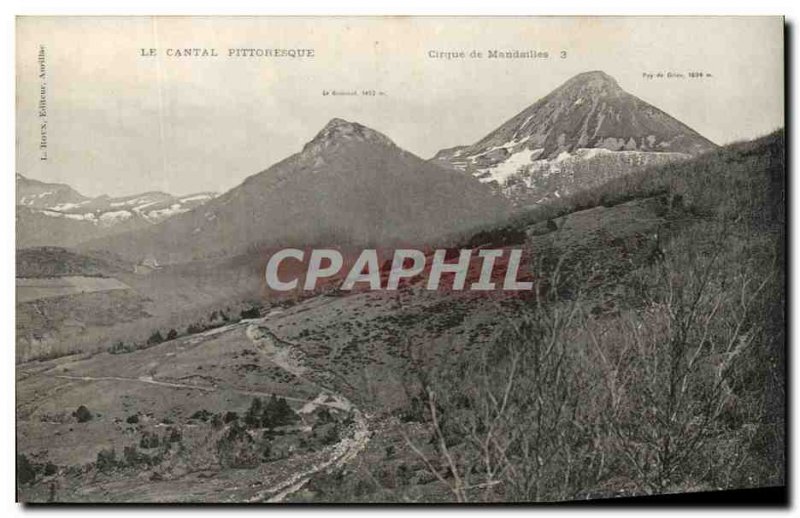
[[289, 357], [285, 355], [205, 388]]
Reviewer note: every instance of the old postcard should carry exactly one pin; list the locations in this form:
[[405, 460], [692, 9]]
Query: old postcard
[[399, 259]]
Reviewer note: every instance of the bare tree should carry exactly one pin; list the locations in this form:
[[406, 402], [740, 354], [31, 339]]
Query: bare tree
[[668, 369], [504, 424]]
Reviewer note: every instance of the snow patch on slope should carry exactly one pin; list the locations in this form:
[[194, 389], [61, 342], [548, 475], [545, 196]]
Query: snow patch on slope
[[510, 166]]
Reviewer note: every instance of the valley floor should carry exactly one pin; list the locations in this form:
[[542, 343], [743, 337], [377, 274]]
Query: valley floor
[[154, 384]]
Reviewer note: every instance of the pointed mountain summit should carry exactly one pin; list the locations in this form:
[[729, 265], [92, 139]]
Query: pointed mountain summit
[[338, 131], [590, 111], [595, 82], [587, 117], [350, 184]]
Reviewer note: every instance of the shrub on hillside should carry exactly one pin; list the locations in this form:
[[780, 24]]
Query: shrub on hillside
[[155, 338], [50, 469], [25, 471], [82, 414], [250, 313], [237, 449], [106, 460], [149, 440], [121, 348]]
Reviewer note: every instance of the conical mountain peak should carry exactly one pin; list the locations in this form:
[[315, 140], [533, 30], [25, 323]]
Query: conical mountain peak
[[589, 110], [590, 84], [337, 123], [338, 131], [349, 185], [588, 124]]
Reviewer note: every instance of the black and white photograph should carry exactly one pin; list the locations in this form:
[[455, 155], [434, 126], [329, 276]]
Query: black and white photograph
[[399, 259]]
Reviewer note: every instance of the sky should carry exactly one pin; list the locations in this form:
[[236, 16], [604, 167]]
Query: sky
[[121, 123]]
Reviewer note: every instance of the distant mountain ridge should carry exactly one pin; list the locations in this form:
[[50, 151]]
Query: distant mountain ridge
[[350, 184], [587, 121], [56, 214], [43, 195]]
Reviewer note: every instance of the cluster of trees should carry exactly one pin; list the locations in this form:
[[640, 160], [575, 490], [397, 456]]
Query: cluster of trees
[[240, 445], [214, 320], [273, 413], [153, 440], [253, 312], [157, 448], [252, 439], [237, 448], [155, 338], [28, 472]]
